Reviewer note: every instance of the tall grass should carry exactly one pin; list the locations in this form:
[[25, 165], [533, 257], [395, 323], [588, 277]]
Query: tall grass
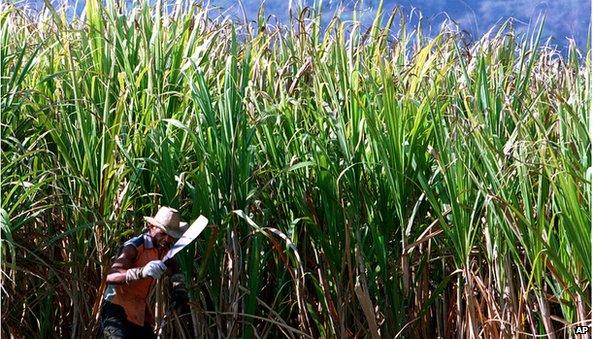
[[359, 183]]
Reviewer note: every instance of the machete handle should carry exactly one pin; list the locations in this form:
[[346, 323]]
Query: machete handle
[[169, 262]]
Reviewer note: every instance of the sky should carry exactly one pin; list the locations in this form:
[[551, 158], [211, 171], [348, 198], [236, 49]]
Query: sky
[[564, 18]]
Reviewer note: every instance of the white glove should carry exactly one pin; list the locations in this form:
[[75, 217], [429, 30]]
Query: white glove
[[153, 269]]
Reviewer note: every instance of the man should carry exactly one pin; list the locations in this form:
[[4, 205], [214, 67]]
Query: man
[[125, 312]]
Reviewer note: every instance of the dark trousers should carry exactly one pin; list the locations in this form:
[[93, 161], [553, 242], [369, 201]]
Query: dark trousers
[[115, 325]]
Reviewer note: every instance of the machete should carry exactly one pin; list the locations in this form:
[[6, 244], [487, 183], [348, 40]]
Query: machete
[[192, 233]]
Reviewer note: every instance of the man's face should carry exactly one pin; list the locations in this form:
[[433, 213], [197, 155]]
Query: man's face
[[161, 239]]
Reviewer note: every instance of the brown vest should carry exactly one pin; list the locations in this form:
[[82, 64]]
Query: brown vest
[[133, 297]]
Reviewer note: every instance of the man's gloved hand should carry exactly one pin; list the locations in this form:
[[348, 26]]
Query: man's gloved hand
[[153, 269]]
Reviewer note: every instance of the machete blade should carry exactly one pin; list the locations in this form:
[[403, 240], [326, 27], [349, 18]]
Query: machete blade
[[192, 233]]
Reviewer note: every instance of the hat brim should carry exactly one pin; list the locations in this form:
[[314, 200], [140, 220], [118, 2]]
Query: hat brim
[[183, 226]]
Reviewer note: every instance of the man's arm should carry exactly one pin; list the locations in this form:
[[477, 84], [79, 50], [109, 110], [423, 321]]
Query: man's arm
[[117, 275], [122, 271]]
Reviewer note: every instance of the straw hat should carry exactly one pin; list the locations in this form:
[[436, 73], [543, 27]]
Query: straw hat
[[167, 219]]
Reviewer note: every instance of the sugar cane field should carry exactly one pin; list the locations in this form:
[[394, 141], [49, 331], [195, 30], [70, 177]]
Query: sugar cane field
[[359, 180]]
